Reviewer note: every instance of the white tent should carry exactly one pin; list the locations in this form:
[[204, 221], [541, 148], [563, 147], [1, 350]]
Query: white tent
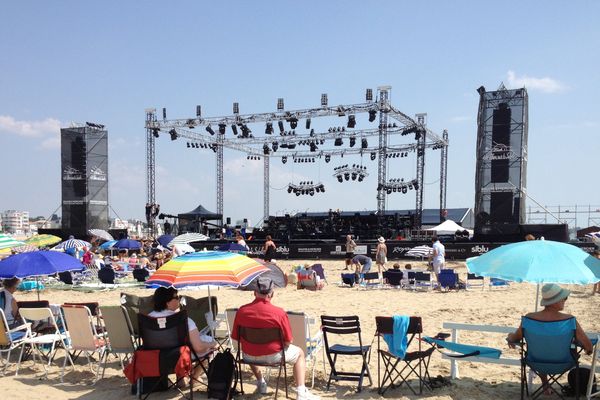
[[447, 228]]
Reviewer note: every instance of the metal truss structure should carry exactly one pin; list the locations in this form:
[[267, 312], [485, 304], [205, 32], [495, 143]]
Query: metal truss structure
[[211, 133], [150, 169]]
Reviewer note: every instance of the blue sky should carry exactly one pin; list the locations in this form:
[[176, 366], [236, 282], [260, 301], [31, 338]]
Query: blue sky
[[107, 61]]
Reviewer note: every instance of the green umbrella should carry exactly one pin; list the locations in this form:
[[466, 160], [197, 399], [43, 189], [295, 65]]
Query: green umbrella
[[43, 240], [7, 242]]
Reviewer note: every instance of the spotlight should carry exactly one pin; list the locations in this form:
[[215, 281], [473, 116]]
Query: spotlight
[[340, 179], [281, 127], [351, 121], [173, 134], [209, 129], [308, 125], [188, 145], [222, 128], [404, 190], [369, 95], [373, 156], [236, 108], [372, 115], [266, 149], [280, 104], [293, 122], [284, 159], [327, 158], [198, 111], [354, 176], [289, 189], [269, 128], [297, 192], [275, 146], [347, 176], [313, 147], [363, 143], [352, 141], [338, 142], [155, 132], [323, 100], [234, 129]]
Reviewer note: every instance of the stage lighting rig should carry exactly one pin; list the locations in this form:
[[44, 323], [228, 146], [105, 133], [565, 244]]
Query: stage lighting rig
[[254, 158], [306, 188], [372, 115], [269, 128], [173, 134], [209, 129], [351, 121], [399, 186], [222, 128], [356, 172]]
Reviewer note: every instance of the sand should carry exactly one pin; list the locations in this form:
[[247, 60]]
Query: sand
[[477, 380]]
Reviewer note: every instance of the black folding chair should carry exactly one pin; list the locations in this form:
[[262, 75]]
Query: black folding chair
[[397, 369], [345, 325], [393, 277], [261, 336]]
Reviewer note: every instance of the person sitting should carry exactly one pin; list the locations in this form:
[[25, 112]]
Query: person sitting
[[166, 303], [262, 314], [553, 301], [106, 274], [308, 279], [8, 303]]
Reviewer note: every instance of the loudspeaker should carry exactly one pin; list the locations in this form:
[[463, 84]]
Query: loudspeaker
[[501, 207], [228, 221]]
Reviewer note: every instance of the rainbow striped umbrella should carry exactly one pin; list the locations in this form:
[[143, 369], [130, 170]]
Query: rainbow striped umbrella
[[212, 268]]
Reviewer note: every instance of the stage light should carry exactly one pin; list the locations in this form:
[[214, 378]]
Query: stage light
[[245, 130], [373, 156], [234, 129], [347, 176], [338, 142], [236, 108], [289, 189], [293, 122], [404, 190], [327, 158], [173, 134], [363, 143], [155, 132], [416, 185], [281, 127], [354, 176], [269, 128], [340, 179], [352, 141], [209, 129], [360, 178], [222, 128], [324, 100], [266, 149], [372, 115], [297, 193], [284, 159], [280, 104], [188, 145], [164, 113], [313, 147], [351, 121], [308, 125], [198, 111], [275, 146], [369, 95]]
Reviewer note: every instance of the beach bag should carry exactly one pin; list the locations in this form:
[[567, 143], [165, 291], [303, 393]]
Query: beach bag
[[583, 374], [222, 376]]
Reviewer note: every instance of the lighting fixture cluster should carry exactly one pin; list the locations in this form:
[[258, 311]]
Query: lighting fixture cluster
[[336, 129], [304, 160], [344, 172], [389, 126], [252, 157], [193, 145], [417, 130], [399, 186], [438, 145], [306, 188], [396, 155]]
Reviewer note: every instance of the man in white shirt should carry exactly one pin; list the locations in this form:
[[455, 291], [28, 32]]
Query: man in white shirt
[[438, 256]]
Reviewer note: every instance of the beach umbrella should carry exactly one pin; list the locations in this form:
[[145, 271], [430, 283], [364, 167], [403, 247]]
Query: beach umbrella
[[187, 238], [419, 251], [537, 261], [233, 248], [25, 248], [181, 249], [108, 245], [73, 244], [38, 263], [277, 276], [8, 242], [43, 240], [164, 240], [101, 233], [127, 244]]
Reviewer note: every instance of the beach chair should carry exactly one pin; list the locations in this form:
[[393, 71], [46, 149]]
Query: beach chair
[[448, 279], [261, 336], [474, 281], [135, 305], [318, 268], [94, 308], [83, 337], [33, 304], [54, 339], [547, 349], [423, 280], [410, 279], [197, 309], [119, 332], [393, 277], [310, 344], [400, 334], [337, 327], [165, 350], [497, 283], [11, 339], [595, 368], [370, 280], [349, 279]]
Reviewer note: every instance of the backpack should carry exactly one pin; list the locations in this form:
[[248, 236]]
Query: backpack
[[222, 376], [584, 376]]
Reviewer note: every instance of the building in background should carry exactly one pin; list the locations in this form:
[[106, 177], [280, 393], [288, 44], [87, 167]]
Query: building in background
[[16, 222]]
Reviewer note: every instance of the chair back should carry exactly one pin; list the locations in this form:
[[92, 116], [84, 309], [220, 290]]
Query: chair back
[[197, 308], [318, 268], [340, 325], [385, 325], [136, 305], [307, 279], [33, 304], [92, 306], [106, 275], [39, 314], [80, 327], [5, 338], [118, 329], [394, 277], [260, 336], [448, 278], [549, 344], [163, 332], [299, 330]]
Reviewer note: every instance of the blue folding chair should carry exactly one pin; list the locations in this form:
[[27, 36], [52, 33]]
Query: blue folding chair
[[548, 348], [448, 279]]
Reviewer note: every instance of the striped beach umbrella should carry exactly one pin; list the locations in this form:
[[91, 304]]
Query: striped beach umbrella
[[73, 244], [419, 251], [216, 268], [187, 238], [7, 242], [101, 233], [43, 240]]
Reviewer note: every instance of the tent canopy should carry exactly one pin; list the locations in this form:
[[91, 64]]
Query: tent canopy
[[199, 213], [447, 227]]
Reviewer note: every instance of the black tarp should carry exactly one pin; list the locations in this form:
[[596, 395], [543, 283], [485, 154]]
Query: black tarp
[[199, 213]]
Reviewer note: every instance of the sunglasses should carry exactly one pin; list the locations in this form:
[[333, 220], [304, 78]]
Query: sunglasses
[[176, 298]]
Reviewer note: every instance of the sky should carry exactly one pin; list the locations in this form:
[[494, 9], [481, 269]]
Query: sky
[[106, 62]]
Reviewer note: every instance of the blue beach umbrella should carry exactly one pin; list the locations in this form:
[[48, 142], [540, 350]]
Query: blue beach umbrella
[[127, 244], [108, 245], [164, 240], [233, 248]]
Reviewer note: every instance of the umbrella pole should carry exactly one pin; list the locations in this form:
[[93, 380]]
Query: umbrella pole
[[212, 317], [37, 287], [537, 296]]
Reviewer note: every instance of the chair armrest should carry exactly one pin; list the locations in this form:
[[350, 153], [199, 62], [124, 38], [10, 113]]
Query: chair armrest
[[25, 326]]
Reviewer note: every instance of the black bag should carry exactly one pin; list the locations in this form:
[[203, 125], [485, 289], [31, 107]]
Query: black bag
[[584, 376], [221, 376], [150, 385]]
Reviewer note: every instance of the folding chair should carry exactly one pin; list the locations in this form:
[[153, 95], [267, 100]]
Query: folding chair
[[119, 333], [393, 277], [94, 308], [11, 339], [497, 283], [349, 279], [547, 349], [414, 363], [197, 309], [165, 350], [423, 281], [261, 336], [301, 324], [340, 326], [54, 339], [473, 281], [135, 305], [448, 279], [370, 279], [83, 336], [230, 318], [593, 370], [318, 268]]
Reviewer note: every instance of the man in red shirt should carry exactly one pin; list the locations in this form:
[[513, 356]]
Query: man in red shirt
[[262, 314]]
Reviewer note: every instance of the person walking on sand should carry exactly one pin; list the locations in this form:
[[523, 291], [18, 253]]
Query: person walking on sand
[[438, 257], [381, 257], [350, 247]]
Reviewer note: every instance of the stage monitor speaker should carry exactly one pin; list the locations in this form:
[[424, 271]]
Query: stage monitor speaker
[[501, 125], [501, 207]]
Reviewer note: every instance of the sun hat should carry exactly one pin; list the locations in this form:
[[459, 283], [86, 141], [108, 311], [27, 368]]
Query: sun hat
[[381, 239], [552, 293]]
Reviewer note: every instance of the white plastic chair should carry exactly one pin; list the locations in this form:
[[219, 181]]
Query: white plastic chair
[[310, 344], [594, 369], [11, 338]]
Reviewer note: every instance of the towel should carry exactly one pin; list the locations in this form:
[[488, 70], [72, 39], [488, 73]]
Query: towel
[[465, 349], [397, 342]]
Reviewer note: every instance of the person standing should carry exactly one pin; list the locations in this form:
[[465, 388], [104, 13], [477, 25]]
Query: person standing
[[269, 249], [438, 256], [381, 257], [596, 254], [350, 247]]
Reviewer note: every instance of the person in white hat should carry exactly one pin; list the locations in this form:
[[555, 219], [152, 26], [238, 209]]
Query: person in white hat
[[381, 257]]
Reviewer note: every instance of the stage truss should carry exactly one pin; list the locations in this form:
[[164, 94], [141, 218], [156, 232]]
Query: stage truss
[[209, 133]]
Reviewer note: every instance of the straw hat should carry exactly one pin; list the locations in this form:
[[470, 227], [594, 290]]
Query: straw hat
[[552, 293], [381, 239]]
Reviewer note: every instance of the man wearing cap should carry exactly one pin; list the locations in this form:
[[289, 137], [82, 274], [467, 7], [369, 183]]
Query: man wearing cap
[[262, 314]]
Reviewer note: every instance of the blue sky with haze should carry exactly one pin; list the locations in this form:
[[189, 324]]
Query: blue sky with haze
[[107, 61]]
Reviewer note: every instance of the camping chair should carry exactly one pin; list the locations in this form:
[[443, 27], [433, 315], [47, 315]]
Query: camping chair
[[593, 369], [393, 277], [119, 333], [370, 279], [217, 327], [83, 336], [300, 325], [414, 362], [547, 349], [497, 283], [197, 309], [33, 304], [165, 350], [340, 326], [261, 336], [135, 305], [94, 308], [474, 280], [230, 318], [349, 279], [54, 339], [423, 280], [318, 268], [11, 339], [448, 279]]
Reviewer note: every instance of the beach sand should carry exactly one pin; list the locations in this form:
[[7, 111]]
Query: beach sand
[[476, 306]]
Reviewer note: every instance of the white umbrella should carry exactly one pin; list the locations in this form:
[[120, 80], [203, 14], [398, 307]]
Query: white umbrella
[[102, 234], [187, 238], [419, 251]]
